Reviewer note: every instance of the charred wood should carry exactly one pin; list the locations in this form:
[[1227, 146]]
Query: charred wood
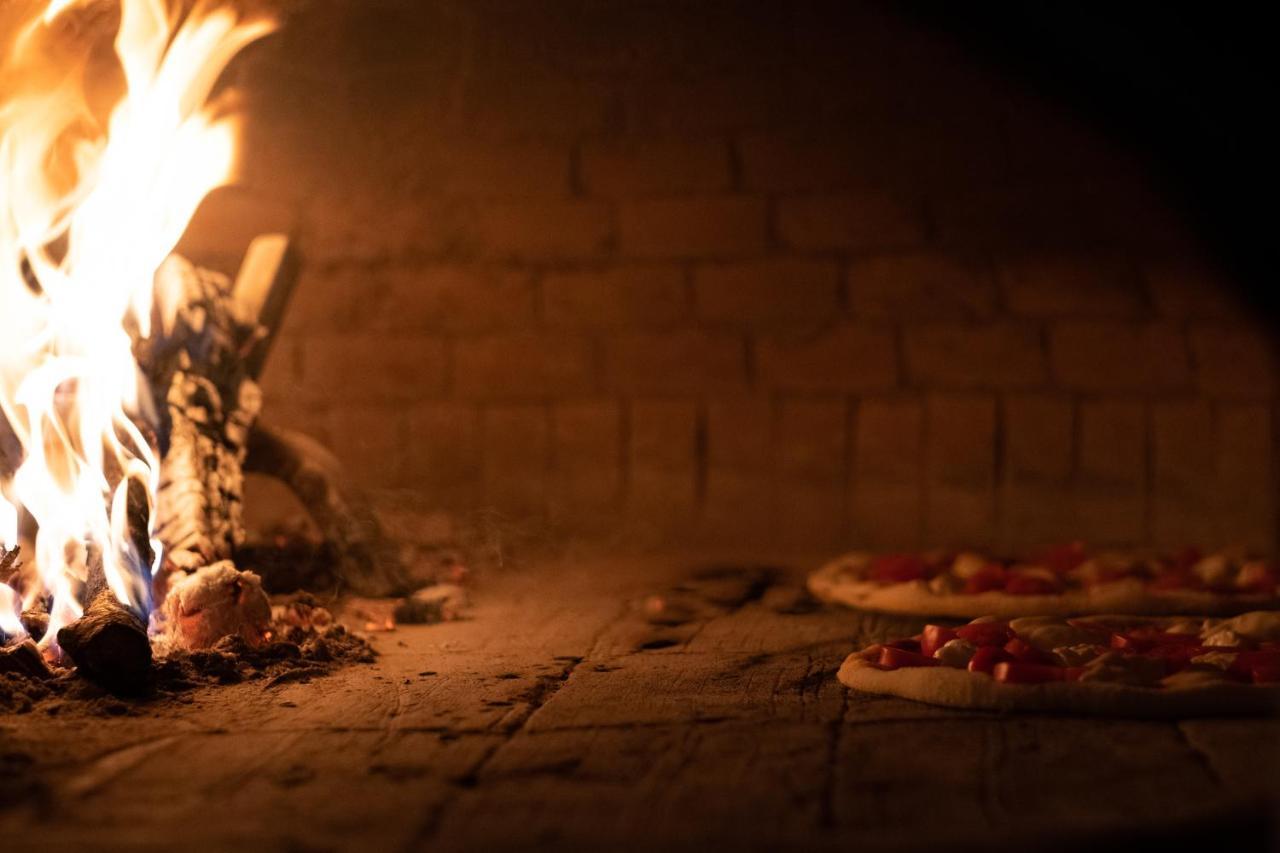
[[24, 658], [367, 562], [109, 645]]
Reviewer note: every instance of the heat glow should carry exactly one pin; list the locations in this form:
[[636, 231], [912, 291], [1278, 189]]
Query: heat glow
[[92, 201]]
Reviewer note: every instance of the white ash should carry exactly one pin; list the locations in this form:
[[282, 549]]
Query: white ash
[[215, 602]]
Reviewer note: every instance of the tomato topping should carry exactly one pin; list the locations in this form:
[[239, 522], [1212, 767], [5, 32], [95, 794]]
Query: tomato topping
[[985, 633], [899, 568], [1063, 558], [1022, 651], [989, 577], [986, 658], [892, 658], [1030, 585], [1148, 639], [1175, 578], [1187, 557], [1017, 672], [1265, 673], [935, 637], [1248, 663]]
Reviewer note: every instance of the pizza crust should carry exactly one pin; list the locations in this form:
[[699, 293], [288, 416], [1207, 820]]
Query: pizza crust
[[959, 688], [831, 583]]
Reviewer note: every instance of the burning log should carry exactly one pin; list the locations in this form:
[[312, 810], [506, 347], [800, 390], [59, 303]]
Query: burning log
[[369, 564], [109, 645], [196, 365], [24, 658]]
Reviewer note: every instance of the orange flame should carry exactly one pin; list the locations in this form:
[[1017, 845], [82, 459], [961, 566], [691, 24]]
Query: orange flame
[[87, 216]]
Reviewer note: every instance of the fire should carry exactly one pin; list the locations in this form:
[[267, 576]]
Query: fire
[[89, 210]]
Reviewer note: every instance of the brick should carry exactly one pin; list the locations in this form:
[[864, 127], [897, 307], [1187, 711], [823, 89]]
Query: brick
[[587, 452], [630, 168], [674, 362], [774, 292], [326, 299], [696, 227], [635, 296], [453, 298], [1233, 361], [281, 379], [539, 230], [479, 168], [1077, 284], [869, 152], [662, 460], [516, 455], [811, 459], [1117, 356], [957, 517], [1246, 476], [740, 493], [961, 440], [844, 358], [1189, 289], [1244, 452], [371, 368], [971, 357], [887, 441], [524, 364], [1038, 513], [739, 433], [1107, 515], [1113, 443], [859, 222], [444, 449], [888, 515], [812, 441], [1037, 438], [920, 286], [370, 442], [1184, 474]]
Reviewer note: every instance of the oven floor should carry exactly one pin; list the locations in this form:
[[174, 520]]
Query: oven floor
[[557, 716]]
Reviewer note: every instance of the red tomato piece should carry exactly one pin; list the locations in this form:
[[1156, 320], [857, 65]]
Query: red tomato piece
[[1265, 673], [1175, 578], [986, 658], [892, 658], [1020, 650], [1027, 585], [899, 568], [989, 577], [1063, 558], [1187, 557], [985, 633], [1017, 672], [935, 637]]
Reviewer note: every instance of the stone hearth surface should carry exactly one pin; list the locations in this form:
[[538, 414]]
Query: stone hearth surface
[[567, 713]]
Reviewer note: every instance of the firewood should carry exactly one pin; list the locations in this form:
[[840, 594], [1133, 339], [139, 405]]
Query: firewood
[[109, 645], [24, 658], [195, 364], [369, 563]]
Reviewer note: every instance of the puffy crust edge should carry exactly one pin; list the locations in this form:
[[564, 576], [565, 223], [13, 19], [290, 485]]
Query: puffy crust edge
[[959, 688], [828, 584]]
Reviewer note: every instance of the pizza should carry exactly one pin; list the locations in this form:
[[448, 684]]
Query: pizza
[[1064, 580], [1116, 665]]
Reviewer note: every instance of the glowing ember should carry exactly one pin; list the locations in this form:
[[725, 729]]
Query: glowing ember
[[89, 210]]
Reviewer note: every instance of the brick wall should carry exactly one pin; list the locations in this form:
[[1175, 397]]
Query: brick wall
[[672, 272]]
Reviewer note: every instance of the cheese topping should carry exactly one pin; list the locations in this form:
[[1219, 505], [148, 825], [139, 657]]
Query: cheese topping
[[957, 653]]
